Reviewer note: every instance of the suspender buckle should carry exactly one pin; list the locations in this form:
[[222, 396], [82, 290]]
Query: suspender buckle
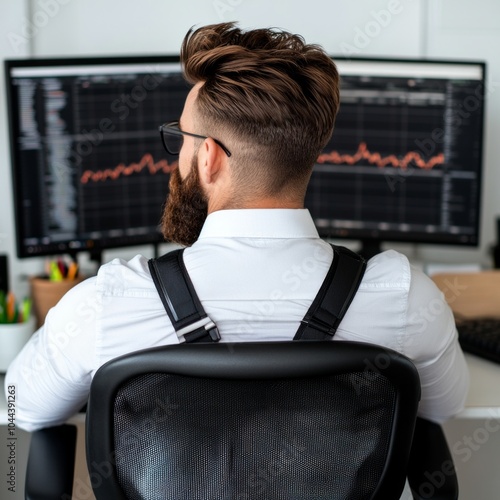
[[214, 333], [204, 330], [316, 324]]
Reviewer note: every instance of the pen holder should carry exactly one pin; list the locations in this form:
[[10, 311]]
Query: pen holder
[[46, 294], [13, 336]]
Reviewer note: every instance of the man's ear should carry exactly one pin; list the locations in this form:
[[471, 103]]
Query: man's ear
[[212, 162]]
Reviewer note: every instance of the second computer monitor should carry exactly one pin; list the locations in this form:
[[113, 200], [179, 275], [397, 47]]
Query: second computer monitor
[[404, 162], [90, 172]]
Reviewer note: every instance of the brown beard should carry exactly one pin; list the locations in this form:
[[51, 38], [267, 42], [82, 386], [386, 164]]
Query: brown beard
[[186, 207]]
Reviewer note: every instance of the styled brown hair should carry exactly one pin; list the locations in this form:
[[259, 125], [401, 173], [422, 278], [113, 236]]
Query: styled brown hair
[[269, 95]]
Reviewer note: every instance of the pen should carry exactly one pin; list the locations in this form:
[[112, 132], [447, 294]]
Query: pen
[[11, 307], [13, 312], [63, 268], [3, 307], [55, 273], [26, 307], [72, 271]]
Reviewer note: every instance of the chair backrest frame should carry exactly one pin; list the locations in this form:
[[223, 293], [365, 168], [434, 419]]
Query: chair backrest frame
[[260, 360]]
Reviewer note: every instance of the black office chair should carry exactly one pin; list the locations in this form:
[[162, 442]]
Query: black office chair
[[244, 426], [431, 471], [51, 463], [286, 420]]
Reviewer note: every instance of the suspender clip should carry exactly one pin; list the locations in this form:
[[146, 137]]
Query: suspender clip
[[214, 333]]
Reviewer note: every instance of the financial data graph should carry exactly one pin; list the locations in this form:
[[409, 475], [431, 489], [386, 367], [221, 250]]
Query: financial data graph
[[124, 182], [129, 194], [89, 169], [147, 162], [375, 158], [92, 130], [400, 164]]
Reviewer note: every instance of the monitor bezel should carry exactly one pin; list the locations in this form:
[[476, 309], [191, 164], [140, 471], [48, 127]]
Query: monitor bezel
[[93, 246], [374, 238]]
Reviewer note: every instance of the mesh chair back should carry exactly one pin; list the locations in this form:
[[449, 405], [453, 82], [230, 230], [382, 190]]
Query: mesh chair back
[[255, 421]]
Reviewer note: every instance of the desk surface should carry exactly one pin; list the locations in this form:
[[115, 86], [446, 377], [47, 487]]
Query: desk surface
[[474, 295], [483, 400]]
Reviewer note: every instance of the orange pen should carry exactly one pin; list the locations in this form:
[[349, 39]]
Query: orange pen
[[72, 271], [11, 307]]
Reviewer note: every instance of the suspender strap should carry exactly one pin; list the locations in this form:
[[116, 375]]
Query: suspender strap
[[334, 297], [192, 324], [180, 300]]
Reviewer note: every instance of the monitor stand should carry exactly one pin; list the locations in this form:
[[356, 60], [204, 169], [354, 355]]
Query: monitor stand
[[95, 255], [369, 248]]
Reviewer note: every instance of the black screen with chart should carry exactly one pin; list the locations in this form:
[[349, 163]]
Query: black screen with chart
[[89, 168], [404, 162], [90, 172]]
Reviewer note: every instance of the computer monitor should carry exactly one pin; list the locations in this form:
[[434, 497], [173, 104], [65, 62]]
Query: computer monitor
[[88, 165], [404, 162], [90, 172]]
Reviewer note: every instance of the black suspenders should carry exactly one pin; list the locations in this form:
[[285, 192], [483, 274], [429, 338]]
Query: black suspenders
[[334, 297], [180, 300], [192, 324]]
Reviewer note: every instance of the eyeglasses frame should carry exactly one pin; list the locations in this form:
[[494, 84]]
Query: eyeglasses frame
[[174, 129]]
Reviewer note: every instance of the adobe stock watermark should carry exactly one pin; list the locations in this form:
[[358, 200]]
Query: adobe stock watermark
[[436, 479], [268, 472], [129, 443], [120, 109], [420, 319], [85, 314], [469, 444], [363, 36], [454, 117], [451, 289], [45, 10], [292, 280], [372, 371], [223, 7], [465, 449], [11, 444]]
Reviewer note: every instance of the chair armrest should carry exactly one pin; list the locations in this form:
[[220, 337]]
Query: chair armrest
[[431, 472], [51, 463]]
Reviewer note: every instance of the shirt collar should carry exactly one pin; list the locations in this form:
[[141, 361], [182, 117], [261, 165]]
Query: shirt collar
[[259, 223]]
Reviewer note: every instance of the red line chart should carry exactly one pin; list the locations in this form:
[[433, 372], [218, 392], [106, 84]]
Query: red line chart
[[363, 153], [122, 170]]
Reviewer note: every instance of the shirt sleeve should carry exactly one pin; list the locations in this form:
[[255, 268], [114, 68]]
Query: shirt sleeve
[[53, 372], [432, 344]]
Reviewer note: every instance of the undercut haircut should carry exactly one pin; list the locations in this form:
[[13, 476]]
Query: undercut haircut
[[270, 95]]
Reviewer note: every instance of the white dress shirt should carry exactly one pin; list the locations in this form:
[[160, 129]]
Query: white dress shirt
[[256, 273]]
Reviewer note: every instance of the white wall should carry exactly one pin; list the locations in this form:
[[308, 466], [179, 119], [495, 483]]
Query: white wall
[[471, 30], [441, 28], [11, 14], [96, 27]]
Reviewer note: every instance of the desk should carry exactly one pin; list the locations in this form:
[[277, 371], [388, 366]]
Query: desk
[[22, 451], [483, 399], [473, 437]]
